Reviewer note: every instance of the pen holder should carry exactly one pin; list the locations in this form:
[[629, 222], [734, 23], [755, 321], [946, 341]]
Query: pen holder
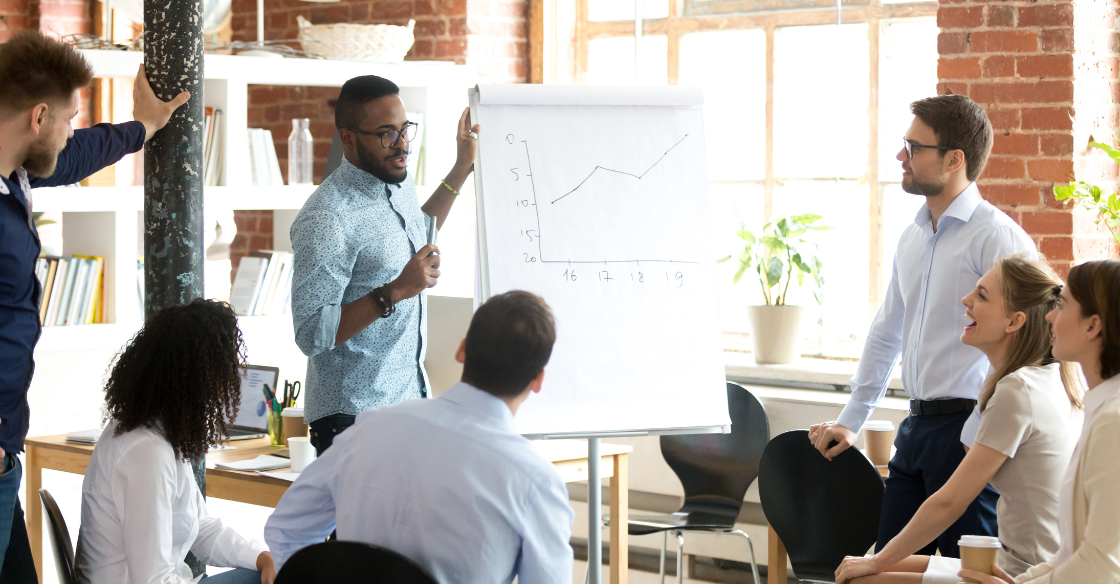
[[275, 428]]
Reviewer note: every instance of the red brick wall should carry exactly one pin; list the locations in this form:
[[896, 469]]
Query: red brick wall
[[1046, 72], [14, 15]]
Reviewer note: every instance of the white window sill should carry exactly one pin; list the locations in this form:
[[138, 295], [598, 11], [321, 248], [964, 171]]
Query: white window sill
[[807, 380]]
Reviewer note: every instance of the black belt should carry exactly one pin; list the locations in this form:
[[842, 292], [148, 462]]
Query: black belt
[[941, 407]]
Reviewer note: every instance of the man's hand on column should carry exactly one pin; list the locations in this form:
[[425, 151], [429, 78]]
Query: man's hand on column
[[821, 435], [419, 273], [150, 110]]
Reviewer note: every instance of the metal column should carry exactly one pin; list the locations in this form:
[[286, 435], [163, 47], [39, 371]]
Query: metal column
[[173, 173]]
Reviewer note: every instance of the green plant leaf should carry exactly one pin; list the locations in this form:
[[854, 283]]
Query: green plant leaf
[[774, 270], [739, 273], [747, 235], [806, 218], [723, 259]]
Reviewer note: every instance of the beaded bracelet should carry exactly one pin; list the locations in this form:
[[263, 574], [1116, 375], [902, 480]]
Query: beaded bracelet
[[449, 187], [383, 300]]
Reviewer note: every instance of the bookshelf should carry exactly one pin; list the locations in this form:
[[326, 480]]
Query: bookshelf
[[108, 221]]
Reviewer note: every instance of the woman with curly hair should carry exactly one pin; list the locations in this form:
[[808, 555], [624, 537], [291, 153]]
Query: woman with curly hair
[[170, 394]]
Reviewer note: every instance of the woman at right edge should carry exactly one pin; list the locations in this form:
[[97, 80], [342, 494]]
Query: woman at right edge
[[1086, 329]]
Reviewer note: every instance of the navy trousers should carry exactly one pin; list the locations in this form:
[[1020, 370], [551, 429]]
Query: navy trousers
[[928, 450]]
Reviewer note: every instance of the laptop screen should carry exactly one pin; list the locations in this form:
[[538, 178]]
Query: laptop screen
[[253, 413]]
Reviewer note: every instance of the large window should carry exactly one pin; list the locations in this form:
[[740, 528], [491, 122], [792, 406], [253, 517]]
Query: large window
[[801, 115]]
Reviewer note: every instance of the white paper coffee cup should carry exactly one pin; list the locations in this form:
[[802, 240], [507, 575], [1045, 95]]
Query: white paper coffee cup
[[878, 436], [300, 452], [979, 552]]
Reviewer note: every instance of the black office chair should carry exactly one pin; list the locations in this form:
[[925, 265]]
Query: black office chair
[[60, 540], [821, 510], [350, 562], [715, 471]]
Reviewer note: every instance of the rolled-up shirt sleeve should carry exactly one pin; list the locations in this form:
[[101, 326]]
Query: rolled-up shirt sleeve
[[322, 270], [880, 353]]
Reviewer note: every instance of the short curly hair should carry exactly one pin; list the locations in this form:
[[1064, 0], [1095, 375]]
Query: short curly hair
[[180, 375]]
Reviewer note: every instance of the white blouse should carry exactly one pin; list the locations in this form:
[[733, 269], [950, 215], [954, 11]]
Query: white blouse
[[142, 512]]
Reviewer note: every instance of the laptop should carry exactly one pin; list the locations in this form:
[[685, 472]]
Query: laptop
[[252, 416]]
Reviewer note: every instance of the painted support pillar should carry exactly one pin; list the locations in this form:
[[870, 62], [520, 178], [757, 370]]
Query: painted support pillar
[[173, 181]]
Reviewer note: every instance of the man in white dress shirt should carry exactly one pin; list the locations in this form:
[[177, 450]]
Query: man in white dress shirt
[[448, 483], [955, 238]]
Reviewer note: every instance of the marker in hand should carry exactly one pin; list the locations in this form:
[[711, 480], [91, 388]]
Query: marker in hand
[[432, 235]]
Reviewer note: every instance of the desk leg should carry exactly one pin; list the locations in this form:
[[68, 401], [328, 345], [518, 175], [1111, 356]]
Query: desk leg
[[776, 564], [34, 507], [620, 534]]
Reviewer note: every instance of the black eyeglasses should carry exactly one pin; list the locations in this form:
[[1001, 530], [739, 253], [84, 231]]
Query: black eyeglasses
[[909, 147], [391, 137]]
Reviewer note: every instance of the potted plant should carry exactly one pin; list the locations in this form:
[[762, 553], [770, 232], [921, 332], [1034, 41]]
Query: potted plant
[[778, 256], [1091, 196]]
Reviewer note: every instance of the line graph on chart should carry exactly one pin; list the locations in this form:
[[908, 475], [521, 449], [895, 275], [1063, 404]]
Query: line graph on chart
[[594, 202]]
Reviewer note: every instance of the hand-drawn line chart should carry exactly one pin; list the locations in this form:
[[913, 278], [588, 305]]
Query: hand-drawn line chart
[[633, 209], [603, 168]]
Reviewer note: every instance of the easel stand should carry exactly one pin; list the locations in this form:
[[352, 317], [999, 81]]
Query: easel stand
[[594, 514]]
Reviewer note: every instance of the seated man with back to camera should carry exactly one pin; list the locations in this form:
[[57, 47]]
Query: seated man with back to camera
[[448, 483]]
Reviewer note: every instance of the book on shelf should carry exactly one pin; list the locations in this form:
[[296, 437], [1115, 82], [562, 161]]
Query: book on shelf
[[213, 151], [263, 284], [264, 164], [73, 290]]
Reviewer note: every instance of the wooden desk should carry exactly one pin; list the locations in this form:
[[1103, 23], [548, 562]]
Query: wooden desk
[[776, 552], [568, 456]]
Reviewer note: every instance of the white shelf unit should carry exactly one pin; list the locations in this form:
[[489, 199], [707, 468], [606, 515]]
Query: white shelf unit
[[108, 221]]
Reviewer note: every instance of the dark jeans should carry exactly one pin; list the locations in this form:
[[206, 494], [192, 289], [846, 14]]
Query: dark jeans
[[323, 431], [15, 548], [928, 451]]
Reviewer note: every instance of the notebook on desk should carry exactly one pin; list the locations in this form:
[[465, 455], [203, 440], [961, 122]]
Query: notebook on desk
[[252, 415]]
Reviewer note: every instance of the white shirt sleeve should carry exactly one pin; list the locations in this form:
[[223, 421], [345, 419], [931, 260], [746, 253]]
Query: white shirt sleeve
[[144, 492], [218, 545], [880, 353], [546, 551], [306, 512]]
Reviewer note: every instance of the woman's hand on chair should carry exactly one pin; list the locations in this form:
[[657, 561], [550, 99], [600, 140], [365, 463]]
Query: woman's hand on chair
[[856, 567], [999, 576], [266, 568]]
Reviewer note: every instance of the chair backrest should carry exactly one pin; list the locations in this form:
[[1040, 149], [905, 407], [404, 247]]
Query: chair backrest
[[350, 562], [716, 469], [821, 510], [60, 540]]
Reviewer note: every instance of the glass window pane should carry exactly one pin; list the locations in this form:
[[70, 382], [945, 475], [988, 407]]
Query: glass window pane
[[844, 251], [734, 99], [735, 207], [821, 79], [600, 10], [909, 73], [610, 61]]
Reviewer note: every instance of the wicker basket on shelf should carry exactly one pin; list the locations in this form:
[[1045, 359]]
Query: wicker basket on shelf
[[367, 42]]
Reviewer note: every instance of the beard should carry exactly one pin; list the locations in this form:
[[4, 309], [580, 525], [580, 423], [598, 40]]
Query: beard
[[369, 163], [925, 188], [42, 158]]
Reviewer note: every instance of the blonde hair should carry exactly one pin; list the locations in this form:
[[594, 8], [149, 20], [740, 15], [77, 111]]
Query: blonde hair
[[1029, 286]]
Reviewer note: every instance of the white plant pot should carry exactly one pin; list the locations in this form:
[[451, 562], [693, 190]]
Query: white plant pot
[[775, 333]]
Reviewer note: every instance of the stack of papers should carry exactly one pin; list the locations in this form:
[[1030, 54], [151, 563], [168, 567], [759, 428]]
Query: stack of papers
[[262, 462], [84, 436], [284, 475]]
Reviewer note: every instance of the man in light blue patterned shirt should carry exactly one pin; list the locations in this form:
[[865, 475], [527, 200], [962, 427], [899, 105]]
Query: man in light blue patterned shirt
[[362, 262]]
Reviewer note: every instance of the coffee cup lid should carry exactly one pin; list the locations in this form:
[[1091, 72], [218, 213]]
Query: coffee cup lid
[[979, 541], [879, 425], [299, 439], [292, 412]]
